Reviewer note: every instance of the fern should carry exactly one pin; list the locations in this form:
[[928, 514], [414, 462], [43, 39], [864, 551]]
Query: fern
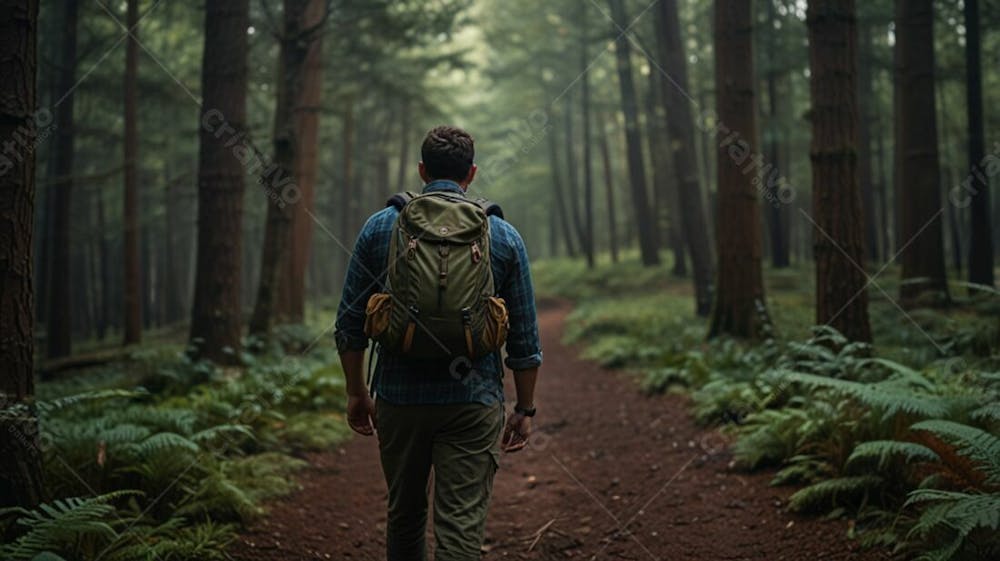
[[958, 515], [50, 407], [164, 442], [981, 447], [885, 450], [832, 491], [175, 540], [989, 413], [887, 397], [58, 525]]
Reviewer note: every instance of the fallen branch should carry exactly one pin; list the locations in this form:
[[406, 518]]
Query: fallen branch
[[48, 369]]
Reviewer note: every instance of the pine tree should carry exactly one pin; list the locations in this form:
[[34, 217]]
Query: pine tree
[[841, 287], [740, 309], [216, 315]]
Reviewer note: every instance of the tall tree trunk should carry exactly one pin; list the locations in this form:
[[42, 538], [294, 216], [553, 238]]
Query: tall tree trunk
[[922, 240], [740, 309], [883, 195], [559, 195], [897, 135], [666, 217], [680, 136], [978, 191], [633, 140], [348, 189], [954, 218], [307, 112], [174, 280], [216, 312], [147, 264], [587, 234], [839, 243], [405, 169], [59, 324], [609, 189], [573, 179], [868, 122], [104, 249], [284, 191], [777, 213], [132, 292], [20, 450]]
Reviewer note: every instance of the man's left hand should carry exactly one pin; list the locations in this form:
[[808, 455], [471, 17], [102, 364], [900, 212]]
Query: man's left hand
[[516, 433]]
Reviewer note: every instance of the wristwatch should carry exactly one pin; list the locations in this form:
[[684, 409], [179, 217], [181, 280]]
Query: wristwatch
[[527, 412]]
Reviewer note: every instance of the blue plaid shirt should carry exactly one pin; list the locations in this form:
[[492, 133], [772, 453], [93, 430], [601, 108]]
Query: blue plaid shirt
[[408, 381]]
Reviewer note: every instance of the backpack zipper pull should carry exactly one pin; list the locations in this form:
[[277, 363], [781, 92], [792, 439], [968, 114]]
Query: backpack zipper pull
[[477, 254], [411, 248]]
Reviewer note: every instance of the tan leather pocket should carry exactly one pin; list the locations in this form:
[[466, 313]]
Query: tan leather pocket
[[377, 314], [497, 323]]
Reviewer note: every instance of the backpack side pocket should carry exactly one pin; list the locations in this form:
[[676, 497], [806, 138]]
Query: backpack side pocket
[[377, 314], [497, 323]]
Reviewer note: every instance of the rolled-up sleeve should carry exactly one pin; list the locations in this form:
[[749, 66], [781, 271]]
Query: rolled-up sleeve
[[360, 282], [524, 348]]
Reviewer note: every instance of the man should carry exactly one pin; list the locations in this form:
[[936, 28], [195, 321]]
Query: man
[[440, 413]]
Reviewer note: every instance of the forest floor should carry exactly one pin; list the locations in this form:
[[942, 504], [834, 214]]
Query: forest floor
[[611, 474]]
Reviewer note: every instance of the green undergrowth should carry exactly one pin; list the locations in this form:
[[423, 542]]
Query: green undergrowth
[[158, 457], [901, 437]]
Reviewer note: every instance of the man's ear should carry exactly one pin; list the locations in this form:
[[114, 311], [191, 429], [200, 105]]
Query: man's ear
[[423, 172], [470, 176]]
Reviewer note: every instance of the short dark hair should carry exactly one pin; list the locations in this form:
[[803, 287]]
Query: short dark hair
[[447, 153]]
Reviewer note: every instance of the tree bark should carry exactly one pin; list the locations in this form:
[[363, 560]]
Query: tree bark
[[307, 113], [680, 136], [609, 189], [648, 247], [20, 450], [59, 324], [777, 213], [348, 191], [922, 240], [406, 169], [104, 253], [132, 292], [666, 215], [981, 232], [885, 244], [587, 234], [559, 195], [216, 314], [283, 191], [868, 121], [740, 308], [839, 243]]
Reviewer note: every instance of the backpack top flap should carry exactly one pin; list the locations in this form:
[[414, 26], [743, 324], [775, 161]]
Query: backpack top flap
[[443, 218]]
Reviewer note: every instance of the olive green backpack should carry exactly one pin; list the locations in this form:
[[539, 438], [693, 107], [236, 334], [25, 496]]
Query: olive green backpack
[[440, 300]]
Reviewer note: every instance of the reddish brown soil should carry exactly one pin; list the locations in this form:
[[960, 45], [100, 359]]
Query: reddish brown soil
[[611, 474]]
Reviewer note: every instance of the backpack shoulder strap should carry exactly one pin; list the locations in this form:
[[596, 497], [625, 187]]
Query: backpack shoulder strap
[[400, 200], [490, 208]]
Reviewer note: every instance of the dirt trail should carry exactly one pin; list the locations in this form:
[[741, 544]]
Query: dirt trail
[[611, 474]]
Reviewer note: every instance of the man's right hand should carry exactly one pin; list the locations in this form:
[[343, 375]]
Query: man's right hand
[[361, 414]]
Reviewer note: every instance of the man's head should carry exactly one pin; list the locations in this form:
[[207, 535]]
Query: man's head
[[448, 153]]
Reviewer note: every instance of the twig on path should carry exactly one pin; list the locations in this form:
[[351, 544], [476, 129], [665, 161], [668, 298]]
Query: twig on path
[[540, 533]]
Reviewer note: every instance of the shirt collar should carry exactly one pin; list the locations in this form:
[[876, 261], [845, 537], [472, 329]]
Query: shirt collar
[[443, 185]]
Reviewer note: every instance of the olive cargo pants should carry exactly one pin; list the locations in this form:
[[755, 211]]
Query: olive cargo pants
[[461, 443]]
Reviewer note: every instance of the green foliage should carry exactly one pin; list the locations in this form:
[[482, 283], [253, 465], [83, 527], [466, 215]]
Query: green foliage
[[839, 490], [966, 523], [65, 525], [883, 451], [897, 436], [200, 455]]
